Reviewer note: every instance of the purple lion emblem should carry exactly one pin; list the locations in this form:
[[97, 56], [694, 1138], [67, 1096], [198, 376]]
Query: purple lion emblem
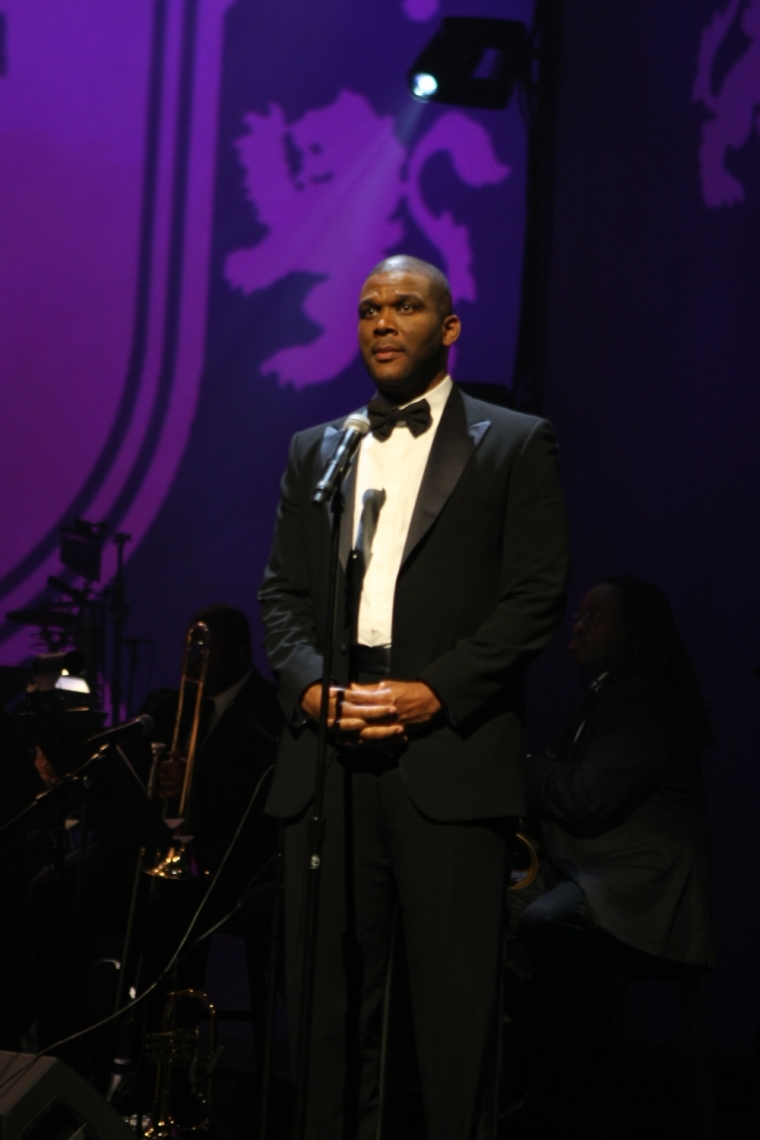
[[734, 107], [329, 187]]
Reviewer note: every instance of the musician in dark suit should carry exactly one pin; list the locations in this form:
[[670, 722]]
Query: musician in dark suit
[[453, 578], [239, 728], [622, 805]]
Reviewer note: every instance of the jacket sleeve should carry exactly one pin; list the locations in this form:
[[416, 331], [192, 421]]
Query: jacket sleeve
[[619, 760], [287, 604], [531, 587]]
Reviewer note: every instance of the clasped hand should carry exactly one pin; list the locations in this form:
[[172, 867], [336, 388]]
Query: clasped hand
[[171, 776], [364, 713]]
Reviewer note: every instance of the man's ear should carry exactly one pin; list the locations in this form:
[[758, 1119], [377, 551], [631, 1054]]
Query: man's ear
[[452, 327]]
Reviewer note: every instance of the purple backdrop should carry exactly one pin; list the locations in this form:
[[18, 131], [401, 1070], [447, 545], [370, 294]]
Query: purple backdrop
[[191, 193], [158, 354], [108, 134]]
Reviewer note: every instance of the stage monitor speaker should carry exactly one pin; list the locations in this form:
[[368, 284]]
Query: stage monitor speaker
[[44, 1099]]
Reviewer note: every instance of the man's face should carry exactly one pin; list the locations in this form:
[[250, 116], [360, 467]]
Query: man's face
[[599, 636], [227, 663], [402, 336]]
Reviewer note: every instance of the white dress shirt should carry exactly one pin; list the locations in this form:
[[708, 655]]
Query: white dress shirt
[[394, 465]]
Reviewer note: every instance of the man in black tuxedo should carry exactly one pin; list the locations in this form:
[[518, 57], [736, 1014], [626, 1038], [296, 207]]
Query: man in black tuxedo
[[453, 550]]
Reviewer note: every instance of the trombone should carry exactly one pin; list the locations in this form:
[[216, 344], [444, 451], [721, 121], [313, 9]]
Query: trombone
[[177, 863]]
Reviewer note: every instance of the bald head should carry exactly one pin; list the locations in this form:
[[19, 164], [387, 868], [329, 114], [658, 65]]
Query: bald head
[[406, 327], [230, 656], [440, 290]]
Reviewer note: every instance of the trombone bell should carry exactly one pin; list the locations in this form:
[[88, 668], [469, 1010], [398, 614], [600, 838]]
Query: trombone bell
[[176, 864]]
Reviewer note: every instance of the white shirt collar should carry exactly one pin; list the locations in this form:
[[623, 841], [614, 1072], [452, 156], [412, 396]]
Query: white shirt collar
[[436, 397], [222, 701]]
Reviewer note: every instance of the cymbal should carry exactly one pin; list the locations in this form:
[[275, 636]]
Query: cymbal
[[45, 618]]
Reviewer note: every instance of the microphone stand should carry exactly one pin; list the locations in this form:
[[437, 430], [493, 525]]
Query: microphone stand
[[58, 792], [266, 1065], [76, 779], [316, 836]]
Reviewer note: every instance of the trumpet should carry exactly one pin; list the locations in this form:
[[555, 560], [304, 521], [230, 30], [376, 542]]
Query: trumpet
[[172, 1048], [177, 863], [527, 843]]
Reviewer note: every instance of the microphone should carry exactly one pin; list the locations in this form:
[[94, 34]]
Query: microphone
[[140, 726], [354, 430]]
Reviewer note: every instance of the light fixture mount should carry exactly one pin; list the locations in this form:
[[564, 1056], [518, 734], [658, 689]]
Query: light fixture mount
[[472, 62]]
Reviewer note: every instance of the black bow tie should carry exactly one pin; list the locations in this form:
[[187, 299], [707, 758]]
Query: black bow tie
[[384, 417]]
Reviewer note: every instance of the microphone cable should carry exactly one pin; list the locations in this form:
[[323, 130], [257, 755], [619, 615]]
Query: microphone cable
[[225, 918]]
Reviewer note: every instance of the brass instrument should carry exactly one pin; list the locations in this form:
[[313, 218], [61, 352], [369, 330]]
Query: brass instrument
[[177, 863], [184, 1062], [175, 1047], [529, 877]]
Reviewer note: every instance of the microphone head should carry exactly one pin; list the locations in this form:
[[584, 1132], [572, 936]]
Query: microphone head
[[147, 723], [357, 422]]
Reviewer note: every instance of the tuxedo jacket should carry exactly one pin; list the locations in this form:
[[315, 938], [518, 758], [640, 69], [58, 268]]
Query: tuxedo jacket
[[623, 814], [479, 592]]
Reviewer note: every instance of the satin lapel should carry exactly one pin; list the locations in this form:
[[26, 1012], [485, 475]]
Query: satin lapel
[[454, 443], [347, 525], [328, 445]]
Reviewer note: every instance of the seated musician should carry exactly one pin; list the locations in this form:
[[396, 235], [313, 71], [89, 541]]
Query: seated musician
[[19, 858], [240, 723], [622, 806], [237, 744]]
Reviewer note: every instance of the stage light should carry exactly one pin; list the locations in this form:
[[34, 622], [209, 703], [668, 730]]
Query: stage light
[[472, 62], [71, 684], [60, 671], [424, 86]]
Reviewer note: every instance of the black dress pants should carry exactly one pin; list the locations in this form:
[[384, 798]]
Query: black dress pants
[[448, 880]]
